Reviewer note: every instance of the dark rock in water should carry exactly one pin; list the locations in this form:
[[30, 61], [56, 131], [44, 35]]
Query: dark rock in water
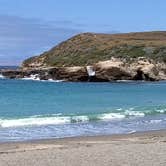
[[66, 74], [12, 74], [69, 73]]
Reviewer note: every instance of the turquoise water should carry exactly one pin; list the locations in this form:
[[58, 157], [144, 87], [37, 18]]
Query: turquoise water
[[39, 110]]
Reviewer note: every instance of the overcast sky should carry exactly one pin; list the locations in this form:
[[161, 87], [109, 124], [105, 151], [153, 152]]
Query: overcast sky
[[30, 27]]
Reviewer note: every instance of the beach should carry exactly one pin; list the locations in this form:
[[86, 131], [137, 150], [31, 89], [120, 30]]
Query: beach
[[78, 124], [143, 149], [82, 83]]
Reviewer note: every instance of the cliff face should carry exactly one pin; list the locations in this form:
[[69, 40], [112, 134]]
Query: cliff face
[[110, 70], [89, 48]]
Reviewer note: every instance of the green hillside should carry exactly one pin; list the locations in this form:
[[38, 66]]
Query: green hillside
[[89, 48]]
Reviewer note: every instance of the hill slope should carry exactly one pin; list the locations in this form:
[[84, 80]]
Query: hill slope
[[89, 48]]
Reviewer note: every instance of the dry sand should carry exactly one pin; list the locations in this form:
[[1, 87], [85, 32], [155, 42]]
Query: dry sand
[[140, 149]]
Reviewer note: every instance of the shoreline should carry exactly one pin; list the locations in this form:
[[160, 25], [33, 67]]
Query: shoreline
[[141, 148], [77, 138]]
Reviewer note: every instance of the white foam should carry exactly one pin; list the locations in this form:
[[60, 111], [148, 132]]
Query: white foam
[[161, 111], [119, 109], [51, 80], [131, 132], [35, 77], [38, 120], [110, 116], [32, 77], [80, 118], [1, 76], [34, 121], [155, 121], [134, 113]]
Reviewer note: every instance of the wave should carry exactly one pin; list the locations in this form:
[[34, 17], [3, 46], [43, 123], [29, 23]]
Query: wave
[[1, 76], [31, 121], [35, 77], [32, 77], [55, 119]]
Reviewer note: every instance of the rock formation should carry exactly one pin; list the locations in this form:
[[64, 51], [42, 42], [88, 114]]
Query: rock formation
[[112, 70], [100, 57]]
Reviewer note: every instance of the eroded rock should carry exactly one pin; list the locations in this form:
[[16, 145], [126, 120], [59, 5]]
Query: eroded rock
[[114, 69]]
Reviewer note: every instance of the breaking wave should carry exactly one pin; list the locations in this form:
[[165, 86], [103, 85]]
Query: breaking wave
[[35, 77], [56, 119], [1, 76]]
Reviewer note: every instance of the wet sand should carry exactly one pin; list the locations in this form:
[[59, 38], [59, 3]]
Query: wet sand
[[139, 149]]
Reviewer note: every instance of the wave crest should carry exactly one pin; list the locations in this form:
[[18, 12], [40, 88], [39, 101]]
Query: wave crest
[[1, 76], [55, 119]]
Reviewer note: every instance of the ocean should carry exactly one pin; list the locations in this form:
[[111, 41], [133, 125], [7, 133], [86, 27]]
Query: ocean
[[31, 110], [9, 67]]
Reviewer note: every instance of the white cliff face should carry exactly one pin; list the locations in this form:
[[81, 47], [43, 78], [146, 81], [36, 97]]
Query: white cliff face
[[91, 72]]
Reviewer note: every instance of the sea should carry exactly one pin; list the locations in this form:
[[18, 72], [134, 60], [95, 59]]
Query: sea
[[9, 67], [34, 109]]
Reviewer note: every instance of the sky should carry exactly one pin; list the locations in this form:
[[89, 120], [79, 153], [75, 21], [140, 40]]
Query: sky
[[28, 28]]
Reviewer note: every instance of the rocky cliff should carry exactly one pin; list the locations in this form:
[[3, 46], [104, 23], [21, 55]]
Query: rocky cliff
[[132, 56], [110, 70]]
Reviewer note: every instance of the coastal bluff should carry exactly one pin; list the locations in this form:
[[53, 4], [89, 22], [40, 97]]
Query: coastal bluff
[[100, 57]]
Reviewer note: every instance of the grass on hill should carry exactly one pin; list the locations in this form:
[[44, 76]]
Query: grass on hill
[[89, 48]]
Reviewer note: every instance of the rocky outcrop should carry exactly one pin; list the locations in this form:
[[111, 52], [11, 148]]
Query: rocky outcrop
[[111, 70], [65, 74], [100, 57], [76, 73], [12, 74], [145, 70], [114, 69]]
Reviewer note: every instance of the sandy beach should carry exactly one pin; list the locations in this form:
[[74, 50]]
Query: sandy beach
[[139, 149]]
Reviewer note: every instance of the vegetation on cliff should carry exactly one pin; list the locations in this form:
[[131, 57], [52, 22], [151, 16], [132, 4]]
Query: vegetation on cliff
[[89, 48]]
